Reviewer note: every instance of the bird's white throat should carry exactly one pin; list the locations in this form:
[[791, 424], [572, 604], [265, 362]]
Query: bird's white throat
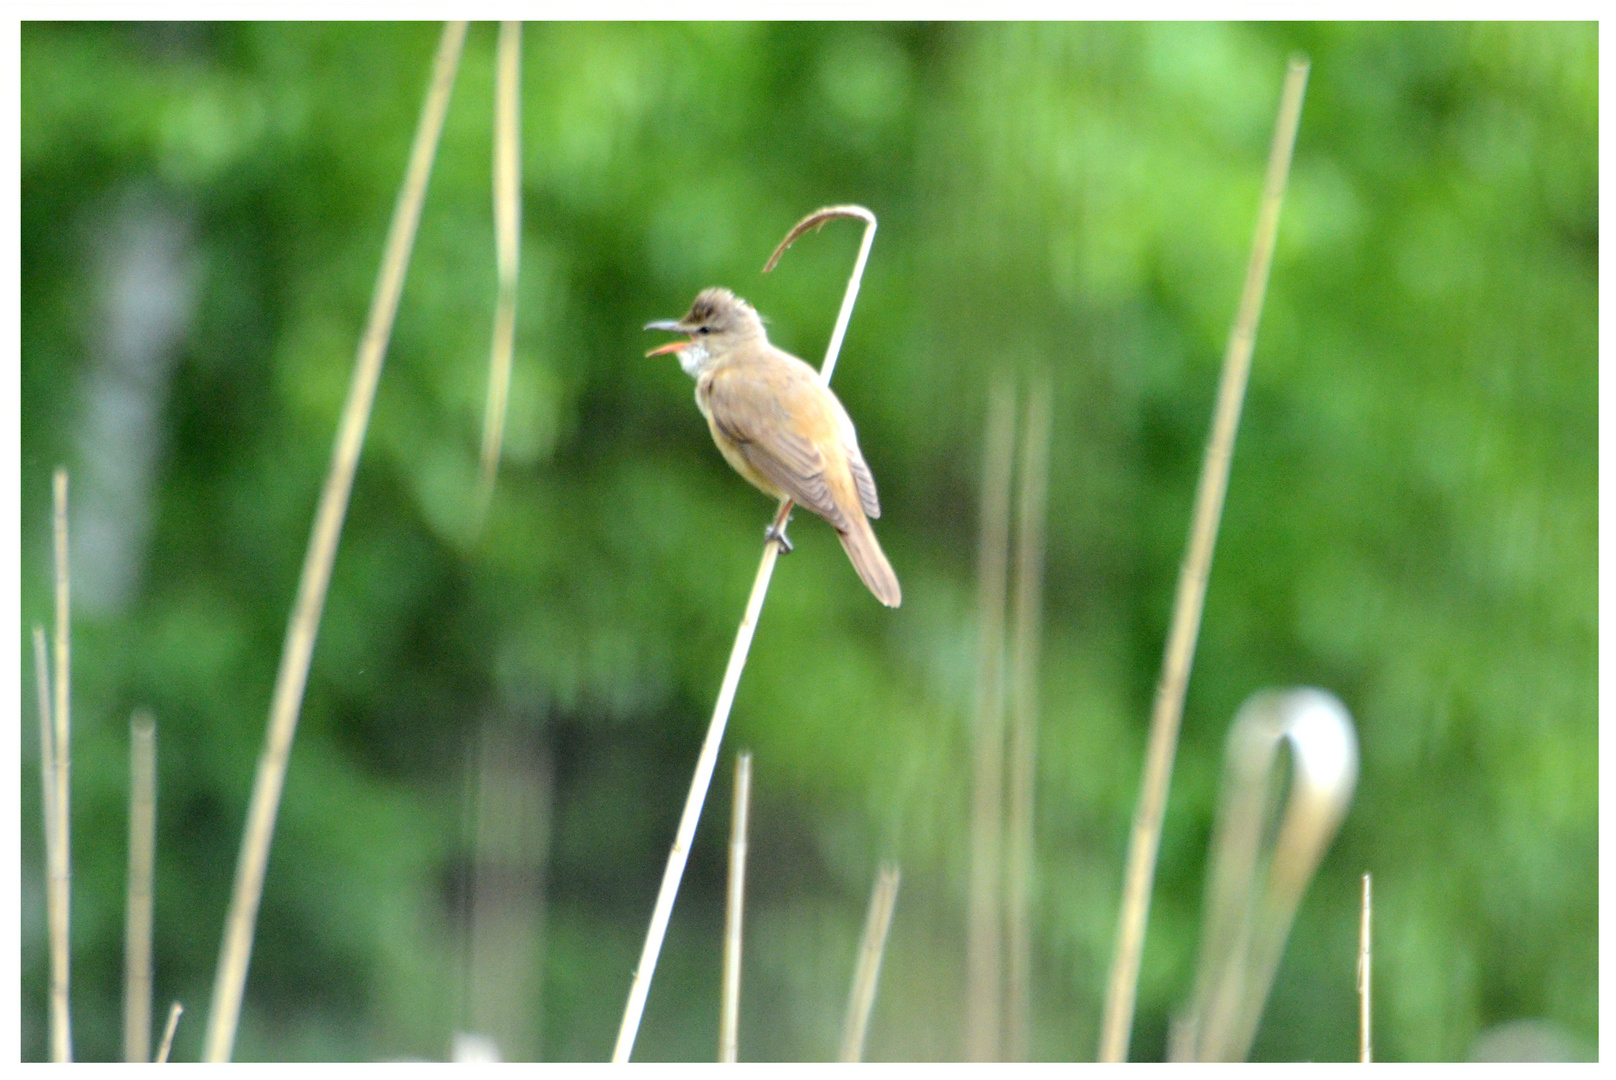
[[694, 359]]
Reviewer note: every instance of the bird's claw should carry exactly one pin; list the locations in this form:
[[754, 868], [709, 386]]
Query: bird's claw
[[772, 533]]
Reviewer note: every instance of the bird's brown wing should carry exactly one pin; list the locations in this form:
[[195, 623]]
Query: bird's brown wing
[[773, 413], [862, 480]]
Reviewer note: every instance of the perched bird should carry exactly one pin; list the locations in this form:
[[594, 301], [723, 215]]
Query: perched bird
[[780, 427]]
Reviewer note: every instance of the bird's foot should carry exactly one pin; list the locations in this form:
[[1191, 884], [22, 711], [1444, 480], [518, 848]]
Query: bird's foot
[[772, 533]]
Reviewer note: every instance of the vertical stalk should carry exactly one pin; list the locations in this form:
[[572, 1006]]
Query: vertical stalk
[[1027, 620], [507, 247], [137, 932], [861, 999], [1365, 1047], [167, 1044], [1145, 837], [984, 919], [236, 949], [729, 1017], [59, 884]]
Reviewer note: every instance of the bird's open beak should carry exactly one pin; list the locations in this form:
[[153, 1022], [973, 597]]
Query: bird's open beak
[[671, 325]]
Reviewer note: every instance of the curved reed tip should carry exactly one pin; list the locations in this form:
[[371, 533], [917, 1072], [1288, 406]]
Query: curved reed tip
[[817, 220]]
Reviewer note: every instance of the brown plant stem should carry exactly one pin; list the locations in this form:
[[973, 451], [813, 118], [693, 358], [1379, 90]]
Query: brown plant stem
[[59, 882], [137, 933], [861, 998], [1145, 837], [1026, 618], [236, 949], [985, 914]]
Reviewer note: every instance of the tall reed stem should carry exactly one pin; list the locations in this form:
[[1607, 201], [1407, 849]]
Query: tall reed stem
[[729, 1017], [1026, 619], [507, 248], [236, 948], [1145, 838], [861, 998], [59, 882], [1365, 1045], [984, 918], [629, 1029], [167, 1044], [137, 926]]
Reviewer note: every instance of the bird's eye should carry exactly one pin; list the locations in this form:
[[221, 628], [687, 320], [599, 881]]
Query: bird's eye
[[704, 330]]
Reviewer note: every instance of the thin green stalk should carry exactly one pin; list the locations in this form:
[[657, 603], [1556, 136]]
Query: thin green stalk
[[507, 247]]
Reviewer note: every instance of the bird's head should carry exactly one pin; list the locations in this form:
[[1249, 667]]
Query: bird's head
[[716, 323]]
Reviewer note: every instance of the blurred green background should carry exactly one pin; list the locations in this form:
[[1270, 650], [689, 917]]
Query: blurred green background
[[1411, 520]]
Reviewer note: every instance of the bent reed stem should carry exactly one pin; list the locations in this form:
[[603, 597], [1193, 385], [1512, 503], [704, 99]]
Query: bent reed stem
[[645, 971]]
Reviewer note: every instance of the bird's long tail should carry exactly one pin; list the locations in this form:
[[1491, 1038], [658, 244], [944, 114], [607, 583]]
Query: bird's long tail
[[871, 563]]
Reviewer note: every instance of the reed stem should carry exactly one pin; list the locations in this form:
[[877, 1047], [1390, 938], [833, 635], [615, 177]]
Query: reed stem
[[985, 915], [628, 1030], [861, 998], [1027, 618], [59, 881], [1145, 838], [507, 248], [729, 1017], [236, 949], [167, 1044], [1365, 1046], [137, 933]]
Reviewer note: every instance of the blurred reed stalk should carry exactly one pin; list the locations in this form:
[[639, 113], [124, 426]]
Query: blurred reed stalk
[[236, 948], [708, 758], [511, 799], [47, 749], [167, 1044], [1145, 838], [137, 924], [729, 1016], [1365, 1049], [58, 861], [1027, 619], [861, 998], [983, 945], [507, 247]]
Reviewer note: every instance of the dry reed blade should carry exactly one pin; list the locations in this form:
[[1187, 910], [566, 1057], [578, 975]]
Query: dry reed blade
[[628, 1030], [59, 882], [236, 948], [507, 246], [861, 998], [167, 1044], [1145, 836], [1365, 1046], [1026, 618], [729, 1016], [984, 919], [137, 925]]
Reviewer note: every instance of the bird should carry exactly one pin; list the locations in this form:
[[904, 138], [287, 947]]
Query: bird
[[780, 427]]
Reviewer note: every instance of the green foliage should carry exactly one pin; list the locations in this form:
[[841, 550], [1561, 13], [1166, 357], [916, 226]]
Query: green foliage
[[1411, 519]]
